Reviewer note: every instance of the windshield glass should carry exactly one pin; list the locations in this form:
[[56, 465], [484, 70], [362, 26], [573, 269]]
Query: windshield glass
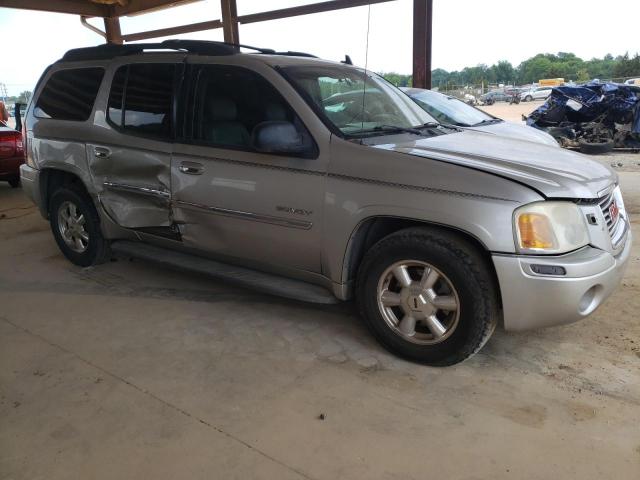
[[356, 103], [450, 110]]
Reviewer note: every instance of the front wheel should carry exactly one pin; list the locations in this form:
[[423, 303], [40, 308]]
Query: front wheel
[[427, 296], [14, 182]]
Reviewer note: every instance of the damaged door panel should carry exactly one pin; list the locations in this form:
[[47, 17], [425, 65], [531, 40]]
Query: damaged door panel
[[132, 171], [135, 184]]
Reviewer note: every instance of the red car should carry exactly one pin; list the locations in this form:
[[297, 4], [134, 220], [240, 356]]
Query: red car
[[11, 155]]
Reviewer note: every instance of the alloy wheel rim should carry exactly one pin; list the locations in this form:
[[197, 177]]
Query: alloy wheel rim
[[71, 224], [418, 302]]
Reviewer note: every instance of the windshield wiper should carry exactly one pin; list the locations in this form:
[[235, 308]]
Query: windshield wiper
[[440, 124], [489, 121], [396, 128]]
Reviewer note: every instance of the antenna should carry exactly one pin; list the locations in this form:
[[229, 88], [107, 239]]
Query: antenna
[[366, 63]]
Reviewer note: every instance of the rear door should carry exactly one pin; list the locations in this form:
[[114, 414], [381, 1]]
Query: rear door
[[130, 161]]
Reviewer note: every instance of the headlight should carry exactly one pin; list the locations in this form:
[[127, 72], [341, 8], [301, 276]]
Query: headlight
[[550, 227]]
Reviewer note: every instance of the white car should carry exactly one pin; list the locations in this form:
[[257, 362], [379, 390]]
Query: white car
[[535, 93], [450, 110]]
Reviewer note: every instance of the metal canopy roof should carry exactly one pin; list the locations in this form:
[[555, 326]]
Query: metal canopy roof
[[95, 8], [112, 10]]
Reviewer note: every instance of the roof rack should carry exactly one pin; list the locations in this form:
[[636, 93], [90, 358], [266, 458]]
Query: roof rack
[[200, 47]]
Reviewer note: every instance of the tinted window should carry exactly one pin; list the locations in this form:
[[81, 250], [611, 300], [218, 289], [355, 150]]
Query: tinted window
[[69, 94], [141, 99], [229, 102]]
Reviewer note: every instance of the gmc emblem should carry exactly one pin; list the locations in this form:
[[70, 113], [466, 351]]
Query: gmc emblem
[[614, 211]]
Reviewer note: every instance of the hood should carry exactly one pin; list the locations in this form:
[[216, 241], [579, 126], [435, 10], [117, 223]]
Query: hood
[[521, 132], [552, 171]]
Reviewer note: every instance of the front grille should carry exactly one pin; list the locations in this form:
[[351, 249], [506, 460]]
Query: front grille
[[605, 205]]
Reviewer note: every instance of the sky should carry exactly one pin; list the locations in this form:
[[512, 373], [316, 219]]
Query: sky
[[465, 32]]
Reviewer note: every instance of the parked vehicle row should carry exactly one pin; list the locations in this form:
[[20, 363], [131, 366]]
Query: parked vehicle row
[[322, 182], [535, 93]]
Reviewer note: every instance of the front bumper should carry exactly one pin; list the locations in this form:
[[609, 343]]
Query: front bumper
[[532, 300]]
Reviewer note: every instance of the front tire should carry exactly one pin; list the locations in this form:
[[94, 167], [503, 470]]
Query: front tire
[[427, 295], [76, 227], [14, 182]]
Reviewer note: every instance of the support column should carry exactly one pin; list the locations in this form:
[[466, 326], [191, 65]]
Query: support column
[[230, 21], [422, 26], [112, 30]]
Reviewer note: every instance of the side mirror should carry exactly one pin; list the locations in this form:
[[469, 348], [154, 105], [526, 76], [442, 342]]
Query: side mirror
[[277, 137]]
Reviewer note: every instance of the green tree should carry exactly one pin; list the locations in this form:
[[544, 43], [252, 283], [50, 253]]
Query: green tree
[[503, 72]]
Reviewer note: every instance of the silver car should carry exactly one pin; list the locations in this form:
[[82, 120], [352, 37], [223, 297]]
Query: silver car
[[321, 182], [448, 109]]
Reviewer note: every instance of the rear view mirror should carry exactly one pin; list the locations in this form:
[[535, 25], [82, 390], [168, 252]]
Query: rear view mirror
[[278, 137]]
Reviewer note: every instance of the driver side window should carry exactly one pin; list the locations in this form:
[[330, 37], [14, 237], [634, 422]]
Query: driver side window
[[231, 102]]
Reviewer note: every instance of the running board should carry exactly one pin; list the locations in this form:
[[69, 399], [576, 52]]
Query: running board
[[241, 276]]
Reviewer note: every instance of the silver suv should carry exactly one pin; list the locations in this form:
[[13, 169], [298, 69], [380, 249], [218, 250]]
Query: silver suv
[[242, 166]]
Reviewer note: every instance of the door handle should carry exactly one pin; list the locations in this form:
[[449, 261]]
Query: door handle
[[101, 152], [191, 168]]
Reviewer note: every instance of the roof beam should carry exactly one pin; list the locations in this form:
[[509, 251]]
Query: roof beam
[[76, 7], [422, 28], [305, 10], [230, 21], [165, 32], [135, 7]]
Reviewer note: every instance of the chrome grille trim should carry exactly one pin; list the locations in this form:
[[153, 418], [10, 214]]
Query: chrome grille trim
[[605, 203]]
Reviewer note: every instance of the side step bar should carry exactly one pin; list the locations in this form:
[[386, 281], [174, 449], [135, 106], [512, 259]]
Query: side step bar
[[243, 277]]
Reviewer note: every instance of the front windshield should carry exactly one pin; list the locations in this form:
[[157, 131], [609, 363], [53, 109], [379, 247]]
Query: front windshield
[[356, 103], [450, 110]]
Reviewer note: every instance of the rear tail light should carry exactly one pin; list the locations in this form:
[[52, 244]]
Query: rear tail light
[[11, 144]]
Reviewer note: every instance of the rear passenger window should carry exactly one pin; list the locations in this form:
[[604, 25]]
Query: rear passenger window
[[141, 98], [69, 94]]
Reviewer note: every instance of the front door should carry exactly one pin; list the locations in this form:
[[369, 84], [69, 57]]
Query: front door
[[229, 199], [131, 161]]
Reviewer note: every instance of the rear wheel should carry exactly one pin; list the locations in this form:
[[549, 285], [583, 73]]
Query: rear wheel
[[528, 98], [14, 182], [76, 227], [426, 295]]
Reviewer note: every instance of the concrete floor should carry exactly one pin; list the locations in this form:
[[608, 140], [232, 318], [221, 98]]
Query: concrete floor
[[130, 371]]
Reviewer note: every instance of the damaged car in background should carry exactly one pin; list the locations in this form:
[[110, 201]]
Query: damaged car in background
[[594, 117]]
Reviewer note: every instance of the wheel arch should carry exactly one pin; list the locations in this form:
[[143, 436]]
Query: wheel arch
[[52, 179], [373, 229]]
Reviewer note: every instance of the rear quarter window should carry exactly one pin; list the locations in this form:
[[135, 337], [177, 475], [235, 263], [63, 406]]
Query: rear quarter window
[[69, 94]]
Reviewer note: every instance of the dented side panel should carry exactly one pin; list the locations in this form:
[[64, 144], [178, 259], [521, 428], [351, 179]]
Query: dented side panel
[[134, 185]]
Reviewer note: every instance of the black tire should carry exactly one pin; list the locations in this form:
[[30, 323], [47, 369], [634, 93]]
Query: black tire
[[468, 272], [14, 182], [528, 98], [595, 148], [97, 249]]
